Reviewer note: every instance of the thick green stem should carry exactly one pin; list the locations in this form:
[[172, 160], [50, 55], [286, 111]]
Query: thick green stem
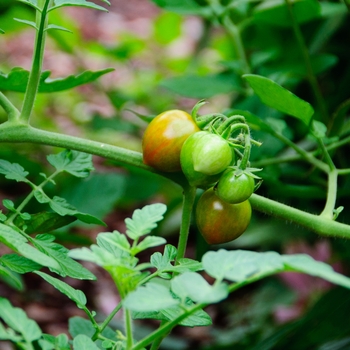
[[315, 223], [328, 211], [12, 112], [35, 73], [128, 329], [24, 133], [189, 196], [309, 69]]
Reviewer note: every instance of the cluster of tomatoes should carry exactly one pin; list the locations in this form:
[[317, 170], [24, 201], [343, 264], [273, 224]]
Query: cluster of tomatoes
[[205, 149]]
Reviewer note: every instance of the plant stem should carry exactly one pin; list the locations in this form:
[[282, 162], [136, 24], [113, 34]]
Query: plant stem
[[305, 53], [10, 109], [128, 329], [189, 196], [35, 73], [328, 211], [25, 133], [315, 223]]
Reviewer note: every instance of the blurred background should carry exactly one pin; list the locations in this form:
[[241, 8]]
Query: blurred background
[[167, 55]]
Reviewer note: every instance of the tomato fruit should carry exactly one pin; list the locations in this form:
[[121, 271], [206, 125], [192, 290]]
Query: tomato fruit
[[233, 188], [219, 221], [195, 178], [211, 154], [164, 137]]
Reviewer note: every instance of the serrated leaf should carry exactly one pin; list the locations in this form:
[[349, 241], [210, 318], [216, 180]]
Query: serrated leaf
[[13, 171], [151, 297], [192, 285], [148, 242], [30, 23], [113, 239], [306, 264], [44, 222], [275, 96], [76, 163], [17, 80], [240, 265], [19, 263], [17, 319], [74, 294], [82, 342], [144, 220]]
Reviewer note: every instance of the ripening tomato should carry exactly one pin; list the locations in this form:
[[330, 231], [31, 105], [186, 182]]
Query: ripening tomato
[[221, 222], [235, 188], [164, 137]]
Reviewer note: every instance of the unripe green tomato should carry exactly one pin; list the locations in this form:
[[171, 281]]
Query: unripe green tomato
[[195, 178], [221, 222], [164, 137], [211, 154], [235, 189]]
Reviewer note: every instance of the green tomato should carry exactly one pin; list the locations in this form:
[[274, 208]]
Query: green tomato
[[234, 188], [211, 154], [221, 222], [195, 178], [164, 137]]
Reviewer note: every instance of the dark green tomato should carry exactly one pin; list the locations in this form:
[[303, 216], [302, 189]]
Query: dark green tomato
[[235, 189], [211, 154], [164, 137], [221, 222], [195, 178]]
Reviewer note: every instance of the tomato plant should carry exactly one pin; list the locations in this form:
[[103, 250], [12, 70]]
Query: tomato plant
[[164, 137], [235, 187], [219, 221]]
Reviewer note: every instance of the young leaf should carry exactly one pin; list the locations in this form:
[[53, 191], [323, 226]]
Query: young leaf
[[151, 297], [275, 96], [76, 163], [30, 23], [53, 26], [82, 3], [11, 278], [192, 285], [2, 31], [74, 294], [109, 240], [13, 171], [144, 220], [82, 342], [148, 242], [17, 319], [17, 80], [32, 3]]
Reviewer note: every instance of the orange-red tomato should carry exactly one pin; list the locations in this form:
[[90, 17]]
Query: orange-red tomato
[[164, 137], [219, 221]]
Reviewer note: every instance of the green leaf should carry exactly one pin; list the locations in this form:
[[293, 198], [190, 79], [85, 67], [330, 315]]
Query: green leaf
[[30, 23], [19, 263], [56, 27], [110, 239], [13, 171], [17, 80], [192, 285], [144, 220], [79, 325], [11, 278], [148, 242], [74, 294], [2, 31], [17, 319], [200, 87], [82, 342], [18, 243], [151, 297], [275, 96], [31, 3], [240, 265], [185, 265], [76, 163], [306, 264], [276, 12], [67, 266], [183, 7]]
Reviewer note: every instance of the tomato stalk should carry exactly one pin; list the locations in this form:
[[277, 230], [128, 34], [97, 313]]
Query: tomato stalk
[[12, 112]]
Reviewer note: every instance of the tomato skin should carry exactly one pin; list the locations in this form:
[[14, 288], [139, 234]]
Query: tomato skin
[[235, 189], [195, 178], [211, 154], [221, 222], [164, 137]]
